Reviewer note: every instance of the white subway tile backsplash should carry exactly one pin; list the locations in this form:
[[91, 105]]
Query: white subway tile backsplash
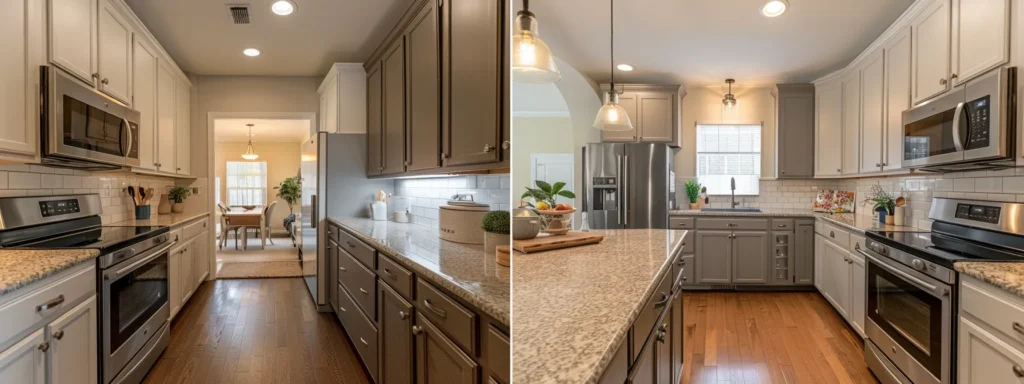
[[429, 194]]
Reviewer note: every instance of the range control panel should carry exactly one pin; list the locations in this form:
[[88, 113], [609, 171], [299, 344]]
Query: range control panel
[[982, 213], [58, 207]]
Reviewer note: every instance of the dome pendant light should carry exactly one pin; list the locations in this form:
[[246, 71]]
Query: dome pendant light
[[249, 154], [532, 61], [612, 117], [730, 100]]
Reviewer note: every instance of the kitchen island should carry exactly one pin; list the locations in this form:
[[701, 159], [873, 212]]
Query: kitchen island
[[582, 313]]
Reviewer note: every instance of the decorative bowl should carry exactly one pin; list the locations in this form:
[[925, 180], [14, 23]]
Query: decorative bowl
[[559, 222], [526, 227]]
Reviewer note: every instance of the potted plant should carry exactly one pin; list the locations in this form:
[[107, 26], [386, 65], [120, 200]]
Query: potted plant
[[693, 193], [290, 190], [178, 196], [497, 226], [884, 203], [556, 217]]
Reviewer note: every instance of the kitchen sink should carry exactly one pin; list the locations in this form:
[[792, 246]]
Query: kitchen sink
[[730, 210]]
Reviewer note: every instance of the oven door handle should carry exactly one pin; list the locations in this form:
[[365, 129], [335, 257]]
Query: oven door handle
[[957, 143], [920, 283], [135, 265]]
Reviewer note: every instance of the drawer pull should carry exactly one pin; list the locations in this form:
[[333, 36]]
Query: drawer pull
[[782, 225], [832, 234], [342, 309], [350, 245], [363, 291], [45, 346], [681, 262], [388, 272], [50, 304], [58, 335], [436, 310], [731, 225], [403, 315], [1019, 328], [343, 269], [416, 330], [663, 301], [1017, 370], [362, 340]]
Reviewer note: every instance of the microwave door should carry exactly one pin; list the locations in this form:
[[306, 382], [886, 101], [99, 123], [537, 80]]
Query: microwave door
[[930, 132], [983, 122]]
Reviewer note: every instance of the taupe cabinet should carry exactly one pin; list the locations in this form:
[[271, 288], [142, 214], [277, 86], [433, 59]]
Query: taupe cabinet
[[436, 93], [795, 130], [653, 110]]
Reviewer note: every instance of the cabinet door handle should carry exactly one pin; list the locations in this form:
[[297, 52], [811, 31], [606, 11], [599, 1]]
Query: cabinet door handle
[[343, 269], [363, 291], [1017, 370], [388, 272], [506, 145], [1018, 328], [832, 234], [488, 148], [105, 81], [58, 335], [45, 346], [440, 312], [663, 301], [50, 304], [403, 315], [416, 330], [362, 340], [953, 76]]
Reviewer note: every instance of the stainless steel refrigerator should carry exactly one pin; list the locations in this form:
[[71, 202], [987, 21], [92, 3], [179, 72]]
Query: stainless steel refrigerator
[[334, 184], [628, 185]]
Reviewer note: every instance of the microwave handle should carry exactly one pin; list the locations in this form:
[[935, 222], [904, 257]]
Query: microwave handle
[[957, 143], [131, 138]]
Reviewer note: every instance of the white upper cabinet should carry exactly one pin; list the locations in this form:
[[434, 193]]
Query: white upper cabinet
[[851, 123], [73, 37], [114, 60], [144, 93], [897, 97], [872, 112], [166, 98], [22, 32], [981, 37], [930, 51], [182, 128], [829, 129]]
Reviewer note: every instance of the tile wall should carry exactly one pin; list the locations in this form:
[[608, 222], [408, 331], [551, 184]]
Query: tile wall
[[427, 195], [35, 180]]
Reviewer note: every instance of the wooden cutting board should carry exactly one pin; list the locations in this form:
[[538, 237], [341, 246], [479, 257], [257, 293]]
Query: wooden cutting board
[[546, 242]]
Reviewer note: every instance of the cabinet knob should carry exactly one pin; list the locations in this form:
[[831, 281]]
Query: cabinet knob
[[96, 75], [783, 172], [832, 234], [179, 169], [1017, 370], [506, 145], [403, 315], [444, 155], [846, 258], [838, 170], [878, 164], [380, 169], [407, 163], [661, 337], [416, 330], [885, 164], [58, 335], [45, 346], [105, 81], [952, 76], [488, 148], [943, 81]]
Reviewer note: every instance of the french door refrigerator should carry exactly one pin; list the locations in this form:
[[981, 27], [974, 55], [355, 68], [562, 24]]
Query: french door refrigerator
[[334, 184], [628, 185]]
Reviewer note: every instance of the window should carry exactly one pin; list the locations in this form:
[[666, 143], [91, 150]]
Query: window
[[729, 151], [247, 183]]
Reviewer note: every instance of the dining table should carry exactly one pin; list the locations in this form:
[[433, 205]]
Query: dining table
[[244, 217]]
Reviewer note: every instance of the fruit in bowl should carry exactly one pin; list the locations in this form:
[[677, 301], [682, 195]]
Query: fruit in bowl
[[557, 217], [564, 207], [559, 221]]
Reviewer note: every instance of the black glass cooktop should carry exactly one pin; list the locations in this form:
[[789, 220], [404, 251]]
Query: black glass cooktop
[[104, 239], [946, 249]]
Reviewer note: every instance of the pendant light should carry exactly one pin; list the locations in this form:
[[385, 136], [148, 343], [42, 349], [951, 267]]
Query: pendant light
[[612, 117], [730, 100], [249, 154], [532, 61]]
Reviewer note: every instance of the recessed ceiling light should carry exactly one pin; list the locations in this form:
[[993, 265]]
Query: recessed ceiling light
[[282, 7], [624, 67], [251, 52], [773, 8]]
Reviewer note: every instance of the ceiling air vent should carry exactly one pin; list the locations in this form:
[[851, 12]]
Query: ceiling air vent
[[239, 13]]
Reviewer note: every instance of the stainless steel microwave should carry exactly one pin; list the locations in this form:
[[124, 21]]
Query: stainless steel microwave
[[971, 127], [82, 128]]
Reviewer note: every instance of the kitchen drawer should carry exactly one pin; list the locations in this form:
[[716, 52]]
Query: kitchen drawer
[[998, 309], [651, 311], [819, 227], [359, 281], [837, 236], [360, 330], [681, 223], [688, 242], [685, 266], [456, 321], [333, 233], [783, 224], [856, 242], [358, 249], [24, 313], [192, 230], [733, 224], [498, 354], [175, 235], [397, 277]]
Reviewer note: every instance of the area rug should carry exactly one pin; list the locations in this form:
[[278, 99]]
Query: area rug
[[258, 270]]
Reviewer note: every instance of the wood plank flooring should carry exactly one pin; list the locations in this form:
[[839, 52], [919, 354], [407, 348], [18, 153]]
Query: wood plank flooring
[[256, 331], [788, 337]]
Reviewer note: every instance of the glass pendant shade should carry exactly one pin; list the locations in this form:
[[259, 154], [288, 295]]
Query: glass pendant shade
[[729, 102], [249, 153], [532, 61], [612, 117]]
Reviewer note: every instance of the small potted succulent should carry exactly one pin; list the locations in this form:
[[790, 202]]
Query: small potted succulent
[[693, 193], [497, 226], [178, 196]]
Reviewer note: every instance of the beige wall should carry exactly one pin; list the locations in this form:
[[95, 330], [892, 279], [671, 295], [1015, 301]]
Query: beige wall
[[282, 162], [538, 135], [704, 105]]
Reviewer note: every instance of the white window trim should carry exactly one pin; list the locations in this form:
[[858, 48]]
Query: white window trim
[[696, 153]]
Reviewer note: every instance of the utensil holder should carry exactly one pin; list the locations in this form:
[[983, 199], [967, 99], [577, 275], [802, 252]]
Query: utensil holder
[[142, 212]]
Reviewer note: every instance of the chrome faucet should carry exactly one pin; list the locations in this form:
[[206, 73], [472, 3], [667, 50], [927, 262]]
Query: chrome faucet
[[732, 186]]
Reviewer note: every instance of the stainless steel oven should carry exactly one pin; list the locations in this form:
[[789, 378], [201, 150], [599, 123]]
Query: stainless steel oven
[[970, 127], [83, 128], [910, 316]]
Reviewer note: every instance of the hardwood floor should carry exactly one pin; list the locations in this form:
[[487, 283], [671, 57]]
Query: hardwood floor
[[789, 337], [256, 331]]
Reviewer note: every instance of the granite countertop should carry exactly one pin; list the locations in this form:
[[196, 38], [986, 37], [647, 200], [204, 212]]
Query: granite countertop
[[851, 221], [575, 306], [169, 220], [464, 270], [21, 267], [1006, 275]]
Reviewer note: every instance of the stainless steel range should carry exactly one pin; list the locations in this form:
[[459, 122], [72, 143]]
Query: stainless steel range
[[133, 281], [912, 286]]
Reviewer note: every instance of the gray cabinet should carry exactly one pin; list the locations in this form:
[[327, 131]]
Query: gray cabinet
[[644, 370], [653, 110], [472, 93], [374, 120], [423, 76], [795, 130], [393, 65], [782, 257], [438, 359], [750, 257], [714, 257], [676, 337], [396, 340], [803, 257]]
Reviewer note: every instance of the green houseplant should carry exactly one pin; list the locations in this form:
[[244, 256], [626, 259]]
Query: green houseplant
[[693, 192], [544, 195], [178, 196], [290, 190], [883, 202], [497, 226]]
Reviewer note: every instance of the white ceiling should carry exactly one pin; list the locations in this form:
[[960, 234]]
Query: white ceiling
[[538, 100], [202, 39], [700, 42], [264, 130]]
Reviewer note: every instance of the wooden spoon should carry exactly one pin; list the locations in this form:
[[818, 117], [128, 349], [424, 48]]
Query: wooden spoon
[[900, 201]]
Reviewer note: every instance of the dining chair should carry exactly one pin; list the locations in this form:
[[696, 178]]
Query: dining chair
[[225, 225], [264, 228]]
